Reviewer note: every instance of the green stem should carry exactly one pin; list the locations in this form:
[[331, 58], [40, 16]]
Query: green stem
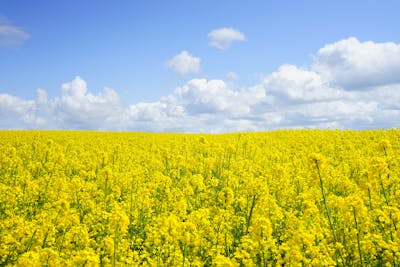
[[328, 214], [253, 204], [115, 245], [369, 197], [358, 237]]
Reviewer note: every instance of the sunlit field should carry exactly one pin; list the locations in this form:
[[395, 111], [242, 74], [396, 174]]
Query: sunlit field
[[293, 198]]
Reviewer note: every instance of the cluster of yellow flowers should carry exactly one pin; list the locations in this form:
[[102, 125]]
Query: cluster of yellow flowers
[[293, 198]]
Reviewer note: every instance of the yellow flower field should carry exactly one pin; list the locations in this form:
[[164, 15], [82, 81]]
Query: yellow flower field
[[293, 198]]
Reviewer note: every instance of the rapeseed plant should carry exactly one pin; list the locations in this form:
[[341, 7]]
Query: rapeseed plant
[[280, 198]]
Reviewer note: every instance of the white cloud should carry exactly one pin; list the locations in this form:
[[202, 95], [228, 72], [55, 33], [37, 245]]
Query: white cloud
[[14, 109], [294, 84], [184, 63], [290, 97], [11, 35], [232, 75], [74, 109], [223, 37], [352, 64], [202, 96]]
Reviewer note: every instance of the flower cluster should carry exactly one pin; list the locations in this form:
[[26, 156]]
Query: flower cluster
[[293, 198]]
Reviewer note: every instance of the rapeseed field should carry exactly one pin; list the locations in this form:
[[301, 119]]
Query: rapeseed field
[[280, 198]]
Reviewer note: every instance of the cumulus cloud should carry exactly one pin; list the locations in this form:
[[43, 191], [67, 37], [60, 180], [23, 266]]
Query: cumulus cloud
[[200, 96], [352, 64], [75, 108], [11, 35], [320, 96], [184, 63], [291, 83], [223, 37]]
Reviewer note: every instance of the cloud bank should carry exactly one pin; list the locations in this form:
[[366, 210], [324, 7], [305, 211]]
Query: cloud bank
[[351, 84]]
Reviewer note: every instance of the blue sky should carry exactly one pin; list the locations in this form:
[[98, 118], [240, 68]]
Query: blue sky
[[126, 46]]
